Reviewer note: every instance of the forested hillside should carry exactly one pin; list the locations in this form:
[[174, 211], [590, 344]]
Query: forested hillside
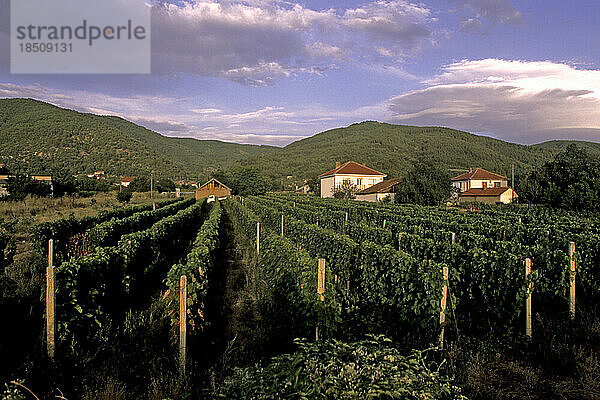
[[394, 148], [37, 137]]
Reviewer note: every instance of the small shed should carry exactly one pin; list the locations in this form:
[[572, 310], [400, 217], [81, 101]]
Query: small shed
[[213, 188]]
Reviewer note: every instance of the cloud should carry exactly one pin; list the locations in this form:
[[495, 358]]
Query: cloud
[[519, 101], [494, 12], [256, 43]]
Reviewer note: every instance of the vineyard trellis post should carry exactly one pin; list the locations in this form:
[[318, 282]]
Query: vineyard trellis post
[[384, 222], [443, 304], [182, 322], [528, 310], [51, 252], [572, 280], [346, 222], [50, 303], [320, 292], [453, 238], [281, 224], [258, 238]]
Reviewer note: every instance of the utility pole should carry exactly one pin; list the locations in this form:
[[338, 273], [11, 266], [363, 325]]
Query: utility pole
[[512, 183], [151, 183]]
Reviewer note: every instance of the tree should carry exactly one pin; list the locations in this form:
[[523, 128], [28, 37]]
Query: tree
[[92, 185], [347, 190], [143, 184], [19, 186], [427, 183], [247, 181], [570, 181], [314, 185], [124, 196]]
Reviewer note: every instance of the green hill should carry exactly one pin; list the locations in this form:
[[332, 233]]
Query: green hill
[[37, 137], [393, 149]]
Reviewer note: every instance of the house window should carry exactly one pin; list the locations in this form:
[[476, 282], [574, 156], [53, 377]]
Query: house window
[[346, 181], [359, 182], [497, 184]]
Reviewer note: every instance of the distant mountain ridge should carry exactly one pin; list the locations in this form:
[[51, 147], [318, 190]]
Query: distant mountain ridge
[[37, 137], [393, 149]]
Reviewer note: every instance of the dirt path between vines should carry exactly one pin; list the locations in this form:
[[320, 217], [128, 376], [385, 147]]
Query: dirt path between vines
[[233, 305]]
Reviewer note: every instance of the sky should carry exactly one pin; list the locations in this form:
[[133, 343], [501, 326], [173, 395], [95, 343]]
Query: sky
[[274, 71]]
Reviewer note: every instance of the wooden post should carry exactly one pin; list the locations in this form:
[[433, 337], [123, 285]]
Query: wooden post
[[453, 238], [443, 304], [384, 222], [346, 218], [51, 253], [153, 206], [320, 292], [50, 312], [151, 185], [281, 224], [258, 238], [321, 279], [528, 328], [572, 280], [182, 321]]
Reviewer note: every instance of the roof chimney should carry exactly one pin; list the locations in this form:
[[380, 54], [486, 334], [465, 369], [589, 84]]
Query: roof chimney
[[470, 169], [337, 164], [364, 164]]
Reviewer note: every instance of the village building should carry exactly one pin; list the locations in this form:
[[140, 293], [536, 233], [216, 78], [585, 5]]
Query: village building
[[479, 185], [495, 195], [4, 185], [125, 182], [378, 192], [351, 172], [479, 178], [213, 188], [97, 175]]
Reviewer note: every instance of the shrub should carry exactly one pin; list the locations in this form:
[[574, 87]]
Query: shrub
[[124, 196]]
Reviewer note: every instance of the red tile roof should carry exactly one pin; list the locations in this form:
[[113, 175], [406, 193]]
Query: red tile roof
[[381, 187], [128, 179], [485, 192], [352, 168], [478, 173]]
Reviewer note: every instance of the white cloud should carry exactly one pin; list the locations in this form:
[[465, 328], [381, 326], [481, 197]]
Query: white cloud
[[257, 42], [514, 100]]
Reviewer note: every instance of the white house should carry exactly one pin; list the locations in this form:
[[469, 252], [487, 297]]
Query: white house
[[479, 178], [479, 185], [504, 195], [351, 172], [127, 181], [380, 191]]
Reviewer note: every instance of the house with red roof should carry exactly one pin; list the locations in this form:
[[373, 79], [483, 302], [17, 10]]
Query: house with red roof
[[349, 173], [378, 192], [126, 181], [479, 185]]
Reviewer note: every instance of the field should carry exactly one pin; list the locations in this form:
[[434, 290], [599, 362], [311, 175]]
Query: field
[[267, 275]]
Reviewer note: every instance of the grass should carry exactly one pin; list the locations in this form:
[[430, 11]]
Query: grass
[[21, 216]]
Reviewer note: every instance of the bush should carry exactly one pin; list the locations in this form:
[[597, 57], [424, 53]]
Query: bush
[[370, 369], [124, 196]]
